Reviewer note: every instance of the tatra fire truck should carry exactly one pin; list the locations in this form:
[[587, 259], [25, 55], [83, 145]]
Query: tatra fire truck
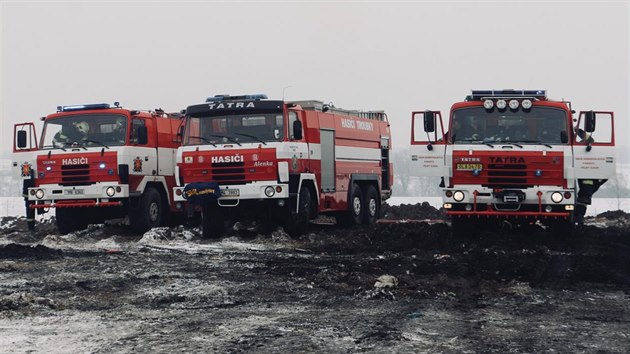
[[283, 163], [515, 156], [95, 162]]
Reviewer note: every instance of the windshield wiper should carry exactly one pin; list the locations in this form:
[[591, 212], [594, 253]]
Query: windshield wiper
[[226, 137], [96, 142], [204, 139], [535, 142], [253, 137], [512, 143]]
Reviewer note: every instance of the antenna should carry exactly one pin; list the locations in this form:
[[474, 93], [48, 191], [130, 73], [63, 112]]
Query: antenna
[[284, 88]]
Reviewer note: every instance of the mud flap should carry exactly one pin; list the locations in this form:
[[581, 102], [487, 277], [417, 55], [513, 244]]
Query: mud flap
[[202, 193]]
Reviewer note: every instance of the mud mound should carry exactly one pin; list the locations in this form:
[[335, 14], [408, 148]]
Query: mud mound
[[17, 251], [614, 214], [419, 211]]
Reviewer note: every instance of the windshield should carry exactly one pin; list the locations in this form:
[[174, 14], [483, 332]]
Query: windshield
[[235, 128], [85, 131], [539, 125]]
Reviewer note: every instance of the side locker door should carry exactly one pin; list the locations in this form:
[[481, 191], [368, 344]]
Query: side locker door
[[327, 140], [428, 145], [594, 146]]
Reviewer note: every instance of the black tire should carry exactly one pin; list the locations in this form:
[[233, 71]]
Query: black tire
[[70, 220], [149, 212], [212, 221], [372, 206], [354, 214], [297, 223]]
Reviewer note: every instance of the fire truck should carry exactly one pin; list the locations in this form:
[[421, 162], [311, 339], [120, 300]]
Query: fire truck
[[513, 156], [283, 163], [95, 162]]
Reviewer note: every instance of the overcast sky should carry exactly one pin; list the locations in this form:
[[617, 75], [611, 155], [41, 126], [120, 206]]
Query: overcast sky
[[395, 56]]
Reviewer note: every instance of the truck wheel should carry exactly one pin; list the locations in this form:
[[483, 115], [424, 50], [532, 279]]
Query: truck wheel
[[69, 220], [372, 206], [297, 224], [148, 213], [354, 214], [212, 221]]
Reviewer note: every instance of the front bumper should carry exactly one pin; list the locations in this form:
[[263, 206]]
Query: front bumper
[[231, 195], [78, 196], [526, 203]]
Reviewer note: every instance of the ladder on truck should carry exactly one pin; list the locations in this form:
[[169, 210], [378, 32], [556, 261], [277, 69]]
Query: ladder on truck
[[319, 106]]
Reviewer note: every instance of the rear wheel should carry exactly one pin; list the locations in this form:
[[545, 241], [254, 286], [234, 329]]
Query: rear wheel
[[372, 206], [148, 213], [354, 214], [297, 224]]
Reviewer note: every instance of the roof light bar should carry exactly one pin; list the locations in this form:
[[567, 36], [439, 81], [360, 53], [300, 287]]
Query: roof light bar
[[479, 94], [217, 98], [82, 107]]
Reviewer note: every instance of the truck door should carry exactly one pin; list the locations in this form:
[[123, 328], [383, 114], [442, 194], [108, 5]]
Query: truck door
[[594, 146], [428, 145]]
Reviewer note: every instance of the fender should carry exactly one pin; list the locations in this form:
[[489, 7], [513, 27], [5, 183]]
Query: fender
[[363, 177], [160, 179], [306, 177]]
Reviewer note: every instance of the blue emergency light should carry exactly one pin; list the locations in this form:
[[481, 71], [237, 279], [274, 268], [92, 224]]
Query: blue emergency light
[[479, 94], [219, 98], [82, 107]]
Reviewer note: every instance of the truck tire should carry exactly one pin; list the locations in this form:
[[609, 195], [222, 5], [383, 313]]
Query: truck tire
[[149, 211], [354, 214], [372, 207], [297, 223], [70, 220], [212, 221]]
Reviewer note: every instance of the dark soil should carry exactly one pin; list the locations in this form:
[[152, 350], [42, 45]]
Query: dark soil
[[393, 287]]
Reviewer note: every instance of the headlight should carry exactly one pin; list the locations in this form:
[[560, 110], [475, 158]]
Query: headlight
[[110, 191], [270, 191], [501, 104], [513, 104], [488, 104], [556, 197], [39, 194], [527, 104], [458, 196], [101, 165]]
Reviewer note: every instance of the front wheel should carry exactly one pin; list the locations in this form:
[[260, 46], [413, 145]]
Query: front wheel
[[148, 213], [297, 223]]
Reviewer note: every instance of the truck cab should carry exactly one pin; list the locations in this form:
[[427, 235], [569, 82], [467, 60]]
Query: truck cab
[[512, 155]]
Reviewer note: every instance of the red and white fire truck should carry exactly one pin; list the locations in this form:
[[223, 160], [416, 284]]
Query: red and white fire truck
[[514, 155], [283, 162], [95, 162]]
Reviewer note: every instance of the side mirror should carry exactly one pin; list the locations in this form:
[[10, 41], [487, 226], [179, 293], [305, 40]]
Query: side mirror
[[589, 121], [429, 121], [564, 137], [21, 139], [143, 135], [297, 130]]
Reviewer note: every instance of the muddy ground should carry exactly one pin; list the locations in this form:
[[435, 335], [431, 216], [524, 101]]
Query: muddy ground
[[406, 287]]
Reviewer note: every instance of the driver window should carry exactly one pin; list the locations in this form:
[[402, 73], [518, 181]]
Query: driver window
[[133, 136]]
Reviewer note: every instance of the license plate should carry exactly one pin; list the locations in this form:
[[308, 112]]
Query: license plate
[[74, 191], [230, 192], [469, 166]]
